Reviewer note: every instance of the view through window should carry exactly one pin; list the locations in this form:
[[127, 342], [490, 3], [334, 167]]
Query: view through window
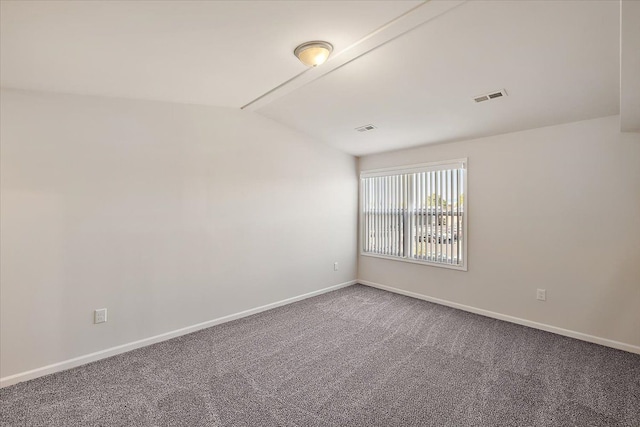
[[416, 213]]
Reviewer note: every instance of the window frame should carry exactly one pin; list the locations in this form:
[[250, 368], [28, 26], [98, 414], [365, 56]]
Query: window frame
[[409, 169]]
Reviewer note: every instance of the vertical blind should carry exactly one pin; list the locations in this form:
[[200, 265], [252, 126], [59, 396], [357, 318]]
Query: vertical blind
[[416, 213]]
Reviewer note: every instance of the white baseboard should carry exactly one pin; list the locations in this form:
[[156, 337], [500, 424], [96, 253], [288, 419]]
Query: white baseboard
[[102, 354], [554, 329]]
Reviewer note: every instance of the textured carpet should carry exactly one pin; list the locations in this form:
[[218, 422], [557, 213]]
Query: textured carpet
[[354, 357]]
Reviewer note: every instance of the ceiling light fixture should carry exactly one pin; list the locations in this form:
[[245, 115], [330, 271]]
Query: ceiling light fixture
[[313, 53]]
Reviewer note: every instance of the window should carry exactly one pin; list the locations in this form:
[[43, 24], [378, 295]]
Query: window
[[416, 213]]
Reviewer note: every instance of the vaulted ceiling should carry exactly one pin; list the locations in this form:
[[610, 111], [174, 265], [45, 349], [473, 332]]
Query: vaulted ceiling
[[202, 52], [410, 68]]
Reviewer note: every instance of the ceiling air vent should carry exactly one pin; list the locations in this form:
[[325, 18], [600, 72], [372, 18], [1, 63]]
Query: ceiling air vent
[[365, 128], [490, 96]]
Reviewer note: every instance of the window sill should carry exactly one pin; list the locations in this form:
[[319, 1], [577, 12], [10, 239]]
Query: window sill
[[415, 261]]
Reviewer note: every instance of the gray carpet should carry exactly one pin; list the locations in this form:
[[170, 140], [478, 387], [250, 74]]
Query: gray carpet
[[354, 357]]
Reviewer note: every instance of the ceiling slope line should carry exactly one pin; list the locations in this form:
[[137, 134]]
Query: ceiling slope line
[[351, 46], [275, 89], [399, 26]]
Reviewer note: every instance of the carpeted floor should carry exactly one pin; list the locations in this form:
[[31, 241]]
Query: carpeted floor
[[354, 357]]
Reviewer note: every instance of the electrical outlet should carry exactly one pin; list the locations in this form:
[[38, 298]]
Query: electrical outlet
[[335, 266], [541, 295], [100, 315]]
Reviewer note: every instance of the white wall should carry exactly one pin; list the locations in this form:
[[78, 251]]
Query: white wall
[[555, 208], [166, 214]]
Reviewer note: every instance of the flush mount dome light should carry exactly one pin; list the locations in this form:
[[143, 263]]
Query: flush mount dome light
[[313, 53]]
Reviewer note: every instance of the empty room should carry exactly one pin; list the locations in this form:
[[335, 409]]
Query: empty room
[[320, 213]]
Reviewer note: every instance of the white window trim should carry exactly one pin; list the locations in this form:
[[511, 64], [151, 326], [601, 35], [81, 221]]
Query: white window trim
[[422, 167]]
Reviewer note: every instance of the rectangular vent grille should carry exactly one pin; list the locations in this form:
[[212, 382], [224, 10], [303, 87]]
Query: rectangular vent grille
[[490, 96], [365, 128]]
